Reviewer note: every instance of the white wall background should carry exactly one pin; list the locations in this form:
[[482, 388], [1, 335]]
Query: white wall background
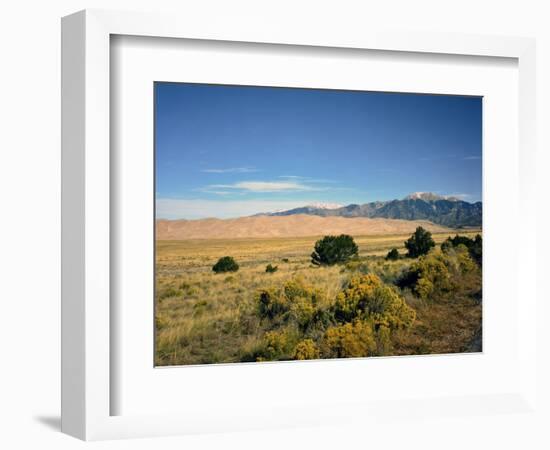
[[29, 224]]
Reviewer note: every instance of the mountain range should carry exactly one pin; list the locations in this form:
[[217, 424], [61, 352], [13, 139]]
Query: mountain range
[[442, 210]]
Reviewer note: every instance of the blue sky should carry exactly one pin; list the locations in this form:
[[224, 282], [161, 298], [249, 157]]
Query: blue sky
[[230, 151]]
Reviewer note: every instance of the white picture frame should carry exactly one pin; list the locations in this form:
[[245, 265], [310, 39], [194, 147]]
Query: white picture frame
[[87, 385]]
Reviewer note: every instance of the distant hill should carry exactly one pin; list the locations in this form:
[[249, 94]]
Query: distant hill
[[297, 225], [447, 211]]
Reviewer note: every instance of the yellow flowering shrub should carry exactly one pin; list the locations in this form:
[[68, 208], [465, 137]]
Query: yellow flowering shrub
[[350, 340], [298, 288], [271, 303], [367, 297], [296, 300], [276, 345], [466, 263], [432, 274], [302, 311], [440, 274], [306, 349]]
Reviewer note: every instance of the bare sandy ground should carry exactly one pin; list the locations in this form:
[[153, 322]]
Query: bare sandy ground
[[285, 226]]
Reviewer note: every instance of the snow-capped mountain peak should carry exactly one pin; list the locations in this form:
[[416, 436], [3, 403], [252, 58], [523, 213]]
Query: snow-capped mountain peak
[[429, 196], [324, 205]]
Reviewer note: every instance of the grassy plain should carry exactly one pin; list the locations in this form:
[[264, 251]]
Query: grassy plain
[[203, 317]]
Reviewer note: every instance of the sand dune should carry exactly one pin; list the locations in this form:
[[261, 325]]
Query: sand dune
[[284, 226]]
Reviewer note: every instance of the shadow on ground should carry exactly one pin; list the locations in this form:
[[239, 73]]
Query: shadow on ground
[[51, 422]]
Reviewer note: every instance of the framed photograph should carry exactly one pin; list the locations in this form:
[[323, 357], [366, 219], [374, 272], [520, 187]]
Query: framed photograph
[[300, 224], [253, 217]]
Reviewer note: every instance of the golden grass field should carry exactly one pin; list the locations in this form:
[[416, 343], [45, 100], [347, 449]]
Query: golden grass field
[[203, 317]]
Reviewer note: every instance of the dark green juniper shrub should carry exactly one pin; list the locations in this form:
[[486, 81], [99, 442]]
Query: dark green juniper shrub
[[419, 243], [334, 249], [392, 255], [225, 264]]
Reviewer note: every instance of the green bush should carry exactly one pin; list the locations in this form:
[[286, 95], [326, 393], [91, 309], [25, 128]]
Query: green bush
[[392, 255], [225, 264], [474, 246], [476, 250], [419, 243], [271, 269], [334, 249]]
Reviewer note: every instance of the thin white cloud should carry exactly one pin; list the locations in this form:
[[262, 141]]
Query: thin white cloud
[[265, 186], [200, 209], [231, 170]]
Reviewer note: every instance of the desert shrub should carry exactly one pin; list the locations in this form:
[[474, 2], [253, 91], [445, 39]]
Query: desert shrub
[[367, 297], [271, 303], [285, 260], [392, 255], [334, 249], [433, 276], [271, 269], [439, 274], [295, 303], [424, 288], [297, 287], [350, 340], [419, 243], [306, 349], [466, 264], [476, 250], [474, 246], [295, 296], [458, 240], [303, 311], [388, 271], [277, 345], [225, 264]]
